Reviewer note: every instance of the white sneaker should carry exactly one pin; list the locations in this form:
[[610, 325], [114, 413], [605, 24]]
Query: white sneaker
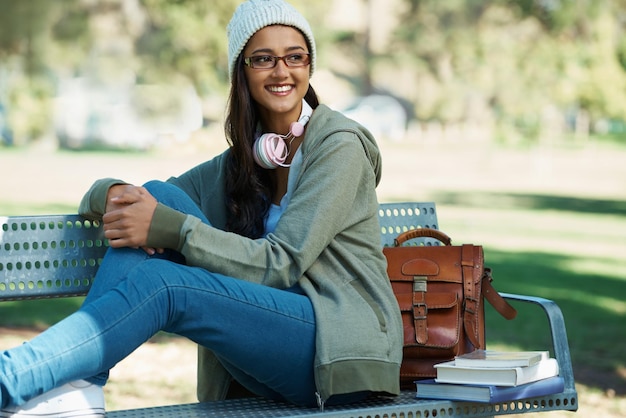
[[74, 399]]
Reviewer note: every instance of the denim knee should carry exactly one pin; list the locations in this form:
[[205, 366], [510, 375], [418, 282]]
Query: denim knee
[[160, 189], [150, 282], [174, 197], [150, 276]]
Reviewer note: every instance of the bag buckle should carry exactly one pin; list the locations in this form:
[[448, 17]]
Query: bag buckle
[[420, 311], [420, 283], [471, 305]]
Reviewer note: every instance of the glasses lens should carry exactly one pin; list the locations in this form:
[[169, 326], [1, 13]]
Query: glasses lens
[[262, 61], [297, 60]]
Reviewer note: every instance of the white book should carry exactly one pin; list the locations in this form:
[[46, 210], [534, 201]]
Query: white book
[[492, 358], [448, 372]]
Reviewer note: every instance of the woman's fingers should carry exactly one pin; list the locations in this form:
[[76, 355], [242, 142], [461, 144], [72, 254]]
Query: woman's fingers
[[128, 226]]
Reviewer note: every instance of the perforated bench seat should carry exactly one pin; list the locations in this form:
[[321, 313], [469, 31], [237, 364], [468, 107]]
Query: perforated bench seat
[[58, 256], [403, 406]]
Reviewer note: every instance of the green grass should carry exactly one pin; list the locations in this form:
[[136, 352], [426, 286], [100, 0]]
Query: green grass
[[573, 256], [17, 209], [38, 314], [593, 305]]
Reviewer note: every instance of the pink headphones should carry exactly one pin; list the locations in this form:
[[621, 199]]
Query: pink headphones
[[270, 150]]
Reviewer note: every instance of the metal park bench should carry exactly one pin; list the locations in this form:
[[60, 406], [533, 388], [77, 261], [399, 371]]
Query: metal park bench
[[58, 256]]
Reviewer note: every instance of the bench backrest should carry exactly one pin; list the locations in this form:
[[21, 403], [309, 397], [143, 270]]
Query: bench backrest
[[48, 256], [58, 255]]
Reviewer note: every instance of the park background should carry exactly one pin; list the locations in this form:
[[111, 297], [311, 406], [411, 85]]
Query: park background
[[514, 125]]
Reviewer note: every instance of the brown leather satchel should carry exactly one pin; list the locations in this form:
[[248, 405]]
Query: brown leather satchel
[[440, 290]]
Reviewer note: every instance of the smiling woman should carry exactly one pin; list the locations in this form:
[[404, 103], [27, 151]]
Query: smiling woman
[[254, 263]]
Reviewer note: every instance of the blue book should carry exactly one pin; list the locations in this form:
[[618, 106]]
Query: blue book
[[430, 389]]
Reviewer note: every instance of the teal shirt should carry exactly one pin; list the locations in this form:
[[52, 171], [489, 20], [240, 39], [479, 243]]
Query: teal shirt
[[276, 211]]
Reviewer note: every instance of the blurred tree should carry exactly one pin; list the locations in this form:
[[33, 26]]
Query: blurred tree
[[588, 41], [521, 59], [26, 84], [22, 32], [187, 37], [511, 64]]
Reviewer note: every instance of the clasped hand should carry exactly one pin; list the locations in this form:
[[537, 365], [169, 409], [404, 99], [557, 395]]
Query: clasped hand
[[128, 214]]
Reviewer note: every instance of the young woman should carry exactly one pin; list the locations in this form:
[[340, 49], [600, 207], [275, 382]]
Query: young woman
[[267, 256]]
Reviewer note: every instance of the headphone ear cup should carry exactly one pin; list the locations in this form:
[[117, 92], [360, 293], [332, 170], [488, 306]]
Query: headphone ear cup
[[296, 129], [270, 151]]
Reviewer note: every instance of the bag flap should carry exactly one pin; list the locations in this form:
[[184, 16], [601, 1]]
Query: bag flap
[[435, 263], [433, 301]]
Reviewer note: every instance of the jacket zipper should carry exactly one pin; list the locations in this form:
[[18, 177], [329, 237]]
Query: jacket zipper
[[320, 401]]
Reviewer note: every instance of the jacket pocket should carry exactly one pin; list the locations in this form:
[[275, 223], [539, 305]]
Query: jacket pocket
[[367, 297]]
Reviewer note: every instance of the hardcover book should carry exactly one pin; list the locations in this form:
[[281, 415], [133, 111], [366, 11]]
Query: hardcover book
[[490, 358], [430, 389], [448, 372]]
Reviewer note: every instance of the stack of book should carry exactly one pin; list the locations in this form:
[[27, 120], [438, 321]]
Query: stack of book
[[494, 376]]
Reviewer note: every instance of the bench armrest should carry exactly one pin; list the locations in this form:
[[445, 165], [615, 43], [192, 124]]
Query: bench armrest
[[558, 331]]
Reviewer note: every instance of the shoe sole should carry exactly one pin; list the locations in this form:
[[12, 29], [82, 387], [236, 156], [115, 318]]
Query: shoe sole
[[85, 413]]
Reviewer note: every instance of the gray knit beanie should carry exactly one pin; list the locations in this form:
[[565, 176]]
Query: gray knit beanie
[[254, 15]]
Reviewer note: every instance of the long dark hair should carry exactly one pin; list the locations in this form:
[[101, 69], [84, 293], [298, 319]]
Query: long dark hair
[[249, 188]]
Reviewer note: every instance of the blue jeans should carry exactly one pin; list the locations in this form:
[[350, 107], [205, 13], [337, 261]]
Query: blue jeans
[[265, 337]]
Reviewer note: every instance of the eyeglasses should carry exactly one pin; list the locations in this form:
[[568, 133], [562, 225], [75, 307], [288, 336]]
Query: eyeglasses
[[266, 62]]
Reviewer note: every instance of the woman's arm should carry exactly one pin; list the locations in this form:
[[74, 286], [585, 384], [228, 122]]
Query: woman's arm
[[125, 210]]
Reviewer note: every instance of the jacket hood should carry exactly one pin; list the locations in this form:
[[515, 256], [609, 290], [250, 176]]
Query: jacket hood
[[325, 122]]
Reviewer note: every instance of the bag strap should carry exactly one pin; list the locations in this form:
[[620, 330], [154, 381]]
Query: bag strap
[[422, 232], [420, 309], [471, 292], [500, 304]]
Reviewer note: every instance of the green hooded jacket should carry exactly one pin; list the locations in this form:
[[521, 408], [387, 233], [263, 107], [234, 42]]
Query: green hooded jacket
[[327, 240]]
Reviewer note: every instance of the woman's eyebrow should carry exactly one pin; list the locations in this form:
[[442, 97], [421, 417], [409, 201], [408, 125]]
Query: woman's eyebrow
[[270, 51]]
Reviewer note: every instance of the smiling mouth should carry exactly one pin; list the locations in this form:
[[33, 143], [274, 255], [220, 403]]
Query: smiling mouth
[[280, 89]]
